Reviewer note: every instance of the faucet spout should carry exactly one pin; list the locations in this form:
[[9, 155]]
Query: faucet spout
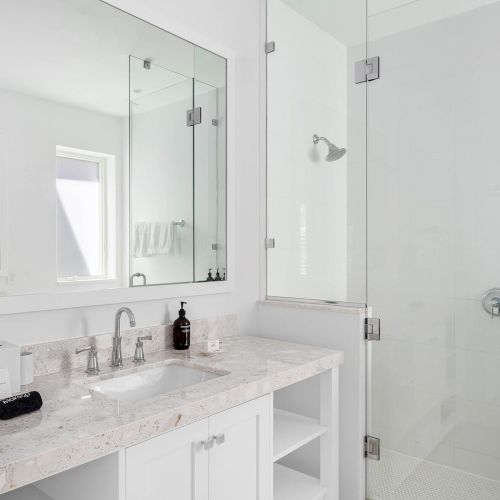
[[116, 355]]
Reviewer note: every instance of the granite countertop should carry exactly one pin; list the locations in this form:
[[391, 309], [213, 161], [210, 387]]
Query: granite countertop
[[77, 425]]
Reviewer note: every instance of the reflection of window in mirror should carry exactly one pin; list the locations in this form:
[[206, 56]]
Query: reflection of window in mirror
[[86, 221]]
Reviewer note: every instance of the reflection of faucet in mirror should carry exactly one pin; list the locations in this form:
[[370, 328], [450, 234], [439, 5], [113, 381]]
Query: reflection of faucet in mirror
[[137, 275], [116, 355]]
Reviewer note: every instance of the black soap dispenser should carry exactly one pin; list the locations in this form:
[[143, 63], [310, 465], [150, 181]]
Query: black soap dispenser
[[182, 330]]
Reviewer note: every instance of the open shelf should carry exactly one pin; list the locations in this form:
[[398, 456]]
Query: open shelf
[[26, 493], [292, 485], [291, 431]]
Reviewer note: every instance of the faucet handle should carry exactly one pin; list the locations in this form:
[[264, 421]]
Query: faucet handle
[[495, 307], [139, 349], [92, 361]]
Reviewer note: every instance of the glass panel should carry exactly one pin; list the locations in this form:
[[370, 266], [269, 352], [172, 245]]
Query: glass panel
[[210, 167], [316, 205], [433, 200], [79, 219], [161, 175]]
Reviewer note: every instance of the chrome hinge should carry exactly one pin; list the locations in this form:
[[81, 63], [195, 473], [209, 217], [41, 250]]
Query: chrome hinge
[[270, 243], [193, 117], [367, 70], [215, 246], [215, 122], [372, 329], [270, 47], [372, 448]]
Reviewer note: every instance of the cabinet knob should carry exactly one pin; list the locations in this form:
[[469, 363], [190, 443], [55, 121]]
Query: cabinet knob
[[208, 444], [220, 438]]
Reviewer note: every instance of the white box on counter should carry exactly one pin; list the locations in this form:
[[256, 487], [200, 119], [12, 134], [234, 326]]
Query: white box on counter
[[10, 358]]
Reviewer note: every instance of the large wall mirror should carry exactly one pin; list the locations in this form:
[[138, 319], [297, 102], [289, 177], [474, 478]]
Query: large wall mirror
[[112, 152]]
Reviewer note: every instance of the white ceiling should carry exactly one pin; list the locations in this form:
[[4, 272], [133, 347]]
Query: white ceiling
[[77, 52], [345, 19]]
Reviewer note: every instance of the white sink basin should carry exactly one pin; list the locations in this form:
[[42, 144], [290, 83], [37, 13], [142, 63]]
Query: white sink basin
[[152, 382]]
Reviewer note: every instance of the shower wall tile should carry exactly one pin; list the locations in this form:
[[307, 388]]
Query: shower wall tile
[[477, 463]]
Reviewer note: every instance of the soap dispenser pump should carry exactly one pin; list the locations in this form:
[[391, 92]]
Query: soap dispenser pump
[[182, 330]]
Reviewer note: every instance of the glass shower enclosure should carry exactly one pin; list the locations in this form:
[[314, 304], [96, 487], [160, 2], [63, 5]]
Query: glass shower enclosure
[[432, 202], [404, 224]]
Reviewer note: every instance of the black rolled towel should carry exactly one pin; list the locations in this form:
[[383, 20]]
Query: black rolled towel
[[20, 404]]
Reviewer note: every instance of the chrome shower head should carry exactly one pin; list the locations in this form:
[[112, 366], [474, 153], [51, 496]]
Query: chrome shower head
[[334, 153]]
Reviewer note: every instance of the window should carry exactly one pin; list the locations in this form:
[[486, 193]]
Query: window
[[85, 221], [3, 207]]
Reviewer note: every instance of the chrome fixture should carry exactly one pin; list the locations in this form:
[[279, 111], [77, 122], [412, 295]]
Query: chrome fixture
[[146, 64], [334, 153], [180, 223], [92, 362], [137, 275], [116, 355], [139, 349], [209, 443], [491, 302]]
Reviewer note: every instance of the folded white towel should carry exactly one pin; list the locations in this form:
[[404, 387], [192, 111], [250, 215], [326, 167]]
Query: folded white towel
[[153, 238]]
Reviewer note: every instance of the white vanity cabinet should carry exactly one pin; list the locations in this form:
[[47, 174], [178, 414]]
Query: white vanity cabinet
[[223, 457], [240, 466], [173, 465]]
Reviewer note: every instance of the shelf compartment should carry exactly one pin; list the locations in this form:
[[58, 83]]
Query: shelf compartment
[[292, 431], [292, 485]]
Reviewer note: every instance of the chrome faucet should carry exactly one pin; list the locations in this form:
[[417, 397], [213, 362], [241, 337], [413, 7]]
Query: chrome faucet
[[116, 355]]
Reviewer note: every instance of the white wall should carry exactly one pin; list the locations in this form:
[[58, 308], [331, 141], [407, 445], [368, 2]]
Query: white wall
[[335, 328], [307, 196], [433, 244], [32, 128], [234, 25]]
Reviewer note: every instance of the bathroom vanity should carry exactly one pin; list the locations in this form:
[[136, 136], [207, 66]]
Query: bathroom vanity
[[218, 435]]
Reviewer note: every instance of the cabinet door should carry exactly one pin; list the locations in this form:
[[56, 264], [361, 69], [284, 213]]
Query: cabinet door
[[173, 466], [240, 461]]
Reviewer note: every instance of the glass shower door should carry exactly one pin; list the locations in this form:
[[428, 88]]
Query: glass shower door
[[433, 246]]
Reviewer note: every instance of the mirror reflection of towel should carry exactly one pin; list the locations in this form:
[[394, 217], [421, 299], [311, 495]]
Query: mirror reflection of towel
[[153, 238]]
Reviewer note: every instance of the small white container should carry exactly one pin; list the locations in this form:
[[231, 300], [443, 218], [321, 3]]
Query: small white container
[[10, 358], [210, 346], [27, 368], [5, 390]]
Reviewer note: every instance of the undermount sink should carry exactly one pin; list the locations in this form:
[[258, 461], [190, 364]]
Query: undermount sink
[[151, 382]]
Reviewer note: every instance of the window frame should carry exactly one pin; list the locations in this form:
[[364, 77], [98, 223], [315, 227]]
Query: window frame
[[4, 228], [107, 214]]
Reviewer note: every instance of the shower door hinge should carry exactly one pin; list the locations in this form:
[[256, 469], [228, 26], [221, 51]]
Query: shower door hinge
[[270, 47], [367, 70], [193, 117], [372, 329], [372, 448], [270, 243]]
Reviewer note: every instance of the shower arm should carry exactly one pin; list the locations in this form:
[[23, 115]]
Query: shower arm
[[316, 139]]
